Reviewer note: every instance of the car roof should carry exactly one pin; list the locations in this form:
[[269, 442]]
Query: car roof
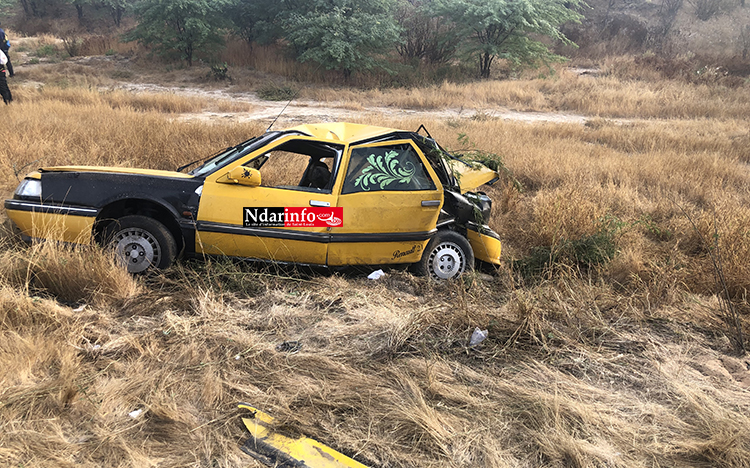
[[344, 132]]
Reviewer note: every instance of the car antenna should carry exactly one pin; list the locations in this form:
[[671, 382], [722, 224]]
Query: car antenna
[[282, 110], [290, 101]]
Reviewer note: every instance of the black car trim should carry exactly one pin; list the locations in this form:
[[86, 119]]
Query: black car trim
[[37, 207], [207, 226], [320, 237], [384, 237]]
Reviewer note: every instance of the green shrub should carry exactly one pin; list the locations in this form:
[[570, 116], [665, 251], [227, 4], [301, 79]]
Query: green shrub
[[220, 72], [47, 50], [273, 92], [583, 253]]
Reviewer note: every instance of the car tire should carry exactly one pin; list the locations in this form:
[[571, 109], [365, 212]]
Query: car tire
[[141, 243], [447, 256]]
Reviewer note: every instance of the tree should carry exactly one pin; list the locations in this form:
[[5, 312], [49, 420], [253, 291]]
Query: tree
[[39, 8], [509, 29], [257, 20], [117, 9], [79, 7], [179, 28], [341, 34], [424, 36]]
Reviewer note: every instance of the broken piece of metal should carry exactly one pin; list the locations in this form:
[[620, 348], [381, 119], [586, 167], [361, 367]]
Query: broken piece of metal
[[280, 451]]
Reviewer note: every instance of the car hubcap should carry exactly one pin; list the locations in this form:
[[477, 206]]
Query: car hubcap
[[137, 249], [446, 261]]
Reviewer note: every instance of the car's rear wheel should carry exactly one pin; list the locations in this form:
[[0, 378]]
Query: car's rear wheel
[[141, 243], [447, 256]]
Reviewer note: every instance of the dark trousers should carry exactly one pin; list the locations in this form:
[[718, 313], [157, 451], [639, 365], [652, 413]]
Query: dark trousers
[[4, 90], [8, 66]]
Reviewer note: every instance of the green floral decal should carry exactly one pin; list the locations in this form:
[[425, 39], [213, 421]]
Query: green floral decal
[[384, 172]]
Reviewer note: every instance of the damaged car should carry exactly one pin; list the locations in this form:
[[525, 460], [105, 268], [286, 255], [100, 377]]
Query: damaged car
[[332, 194]]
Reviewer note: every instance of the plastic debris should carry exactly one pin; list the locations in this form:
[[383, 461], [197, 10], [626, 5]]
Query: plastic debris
[[80, 309], [290, 347], [478, 336], [376, 275], [134, 414]]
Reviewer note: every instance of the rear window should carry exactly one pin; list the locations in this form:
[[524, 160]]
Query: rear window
[[386, 168]]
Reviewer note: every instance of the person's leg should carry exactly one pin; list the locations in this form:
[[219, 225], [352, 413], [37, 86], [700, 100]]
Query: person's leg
[[9, 66], [4, 90]]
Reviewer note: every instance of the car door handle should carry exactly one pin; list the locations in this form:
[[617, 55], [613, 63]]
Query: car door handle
[[430, 202], [319, 203]]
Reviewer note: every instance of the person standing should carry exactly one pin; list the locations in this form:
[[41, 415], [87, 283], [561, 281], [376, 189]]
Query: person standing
[[4, 90], [5, 48]]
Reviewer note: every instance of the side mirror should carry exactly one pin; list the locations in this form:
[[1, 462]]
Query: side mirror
[[242, 175]]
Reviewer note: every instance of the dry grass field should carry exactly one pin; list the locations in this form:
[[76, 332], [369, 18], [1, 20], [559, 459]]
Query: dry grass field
[[628, 362]]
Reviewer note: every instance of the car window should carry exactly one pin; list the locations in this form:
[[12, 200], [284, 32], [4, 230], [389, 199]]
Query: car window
[[232, 154], [298, 165], [386, 168]]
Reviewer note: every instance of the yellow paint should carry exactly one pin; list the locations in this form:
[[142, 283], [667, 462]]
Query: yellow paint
[[384, 212], [118, 170], [266, 248], [242, 176], [342, 132], [311, 452], [223, 203], [375, 253], [486, 248], [57, 227]]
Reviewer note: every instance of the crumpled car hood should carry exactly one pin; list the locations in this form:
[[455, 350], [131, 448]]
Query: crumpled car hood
[[471, 177]]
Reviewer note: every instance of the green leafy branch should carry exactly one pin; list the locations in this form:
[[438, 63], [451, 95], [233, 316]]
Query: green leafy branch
[[476, 158]]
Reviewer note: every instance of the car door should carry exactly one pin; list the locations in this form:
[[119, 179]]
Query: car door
[[391, 199], [280, 219]]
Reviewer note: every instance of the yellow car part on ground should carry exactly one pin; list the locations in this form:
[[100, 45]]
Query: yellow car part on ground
[[278, 450]]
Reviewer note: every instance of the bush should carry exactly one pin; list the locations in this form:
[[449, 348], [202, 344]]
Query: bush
[[46, 50], [583, 253], [273, 92], [220, 72], [72, 45]]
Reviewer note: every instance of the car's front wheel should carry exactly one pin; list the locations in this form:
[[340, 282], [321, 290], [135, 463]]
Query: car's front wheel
[[447, 256], [141, 243]]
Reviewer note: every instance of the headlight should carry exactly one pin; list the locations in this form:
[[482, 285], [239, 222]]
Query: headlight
[[29, 189]]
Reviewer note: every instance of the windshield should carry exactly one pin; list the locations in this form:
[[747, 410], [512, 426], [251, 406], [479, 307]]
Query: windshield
[[232, 154]]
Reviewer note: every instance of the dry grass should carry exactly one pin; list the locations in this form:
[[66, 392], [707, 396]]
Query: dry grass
[[625, 364], [608, 96]]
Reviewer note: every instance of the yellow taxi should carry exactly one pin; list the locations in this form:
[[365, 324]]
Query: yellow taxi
[[329, 194]]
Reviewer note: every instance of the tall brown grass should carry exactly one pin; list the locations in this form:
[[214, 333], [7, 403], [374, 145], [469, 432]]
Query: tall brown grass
[[623, 364], [565, 92]]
